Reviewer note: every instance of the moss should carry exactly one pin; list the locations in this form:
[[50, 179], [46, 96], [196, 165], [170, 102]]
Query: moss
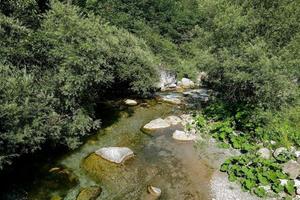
[[90, 193]]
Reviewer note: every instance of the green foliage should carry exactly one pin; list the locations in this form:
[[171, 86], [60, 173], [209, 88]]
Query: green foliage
[[253, 173], [225, 133], [31, 116], [54, 75]]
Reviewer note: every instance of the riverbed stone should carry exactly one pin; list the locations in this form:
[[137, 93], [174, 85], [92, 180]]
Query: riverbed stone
[[154, 191], [156, 124], [297, 185], [183, 136], [173, 85], [90, 193], [130, 102], [187, 83], [264, 153], [278, 151], [297, 154], [171, 99], [173, 120], [186, 119], [292, 168], [63, 176], [115, 154], [167, 78]]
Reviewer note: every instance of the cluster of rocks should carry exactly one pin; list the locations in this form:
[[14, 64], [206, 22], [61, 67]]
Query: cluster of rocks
[[179, 135], [291, 167], [168, 81]]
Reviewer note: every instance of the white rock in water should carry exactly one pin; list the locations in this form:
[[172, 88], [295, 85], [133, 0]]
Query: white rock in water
[[115, 154], [173, 120], [131, 102], [155, 191], [187, 83], [156, 124], [183, 136]]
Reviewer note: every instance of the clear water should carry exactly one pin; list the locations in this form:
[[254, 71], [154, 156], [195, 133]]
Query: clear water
[[181, 170]]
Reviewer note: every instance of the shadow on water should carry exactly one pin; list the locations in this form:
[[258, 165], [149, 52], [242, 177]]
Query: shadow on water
[[26, 172]]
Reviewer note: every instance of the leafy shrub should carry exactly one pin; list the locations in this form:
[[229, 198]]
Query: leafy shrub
[[225, 133], [54, 76], [31, 116], [254, 172]]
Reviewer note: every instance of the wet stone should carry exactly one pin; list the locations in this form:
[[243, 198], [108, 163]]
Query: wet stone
[[156, 124], [90, 193], [115, 154]]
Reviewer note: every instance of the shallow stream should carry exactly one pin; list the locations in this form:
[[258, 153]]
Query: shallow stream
[[181, 170]]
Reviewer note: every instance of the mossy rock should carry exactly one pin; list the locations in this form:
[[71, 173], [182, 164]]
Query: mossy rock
[[56, 197], [90, 193], [100, 168]]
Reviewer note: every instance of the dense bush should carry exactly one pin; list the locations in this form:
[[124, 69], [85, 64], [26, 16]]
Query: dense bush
[[52, 76], [249, 49]]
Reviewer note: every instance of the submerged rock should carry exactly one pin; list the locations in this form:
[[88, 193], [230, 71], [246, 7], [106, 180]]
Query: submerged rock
[[156, 124], [155, 191], [292, 168], [115, 154], [173, 120], [63, 176], [183, 136], [130, 102], [90, 193], [264, 153]]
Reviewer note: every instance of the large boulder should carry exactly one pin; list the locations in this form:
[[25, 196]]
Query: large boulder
[[186, 83], [130, 102], [156, 124], [90, 193], [115, 154], [292, 168], [173, 120], [167, 79], [183, 136], [264, 153]]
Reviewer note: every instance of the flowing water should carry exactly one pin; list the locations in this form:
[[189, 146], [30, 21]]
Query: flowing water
[[180, 170]]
